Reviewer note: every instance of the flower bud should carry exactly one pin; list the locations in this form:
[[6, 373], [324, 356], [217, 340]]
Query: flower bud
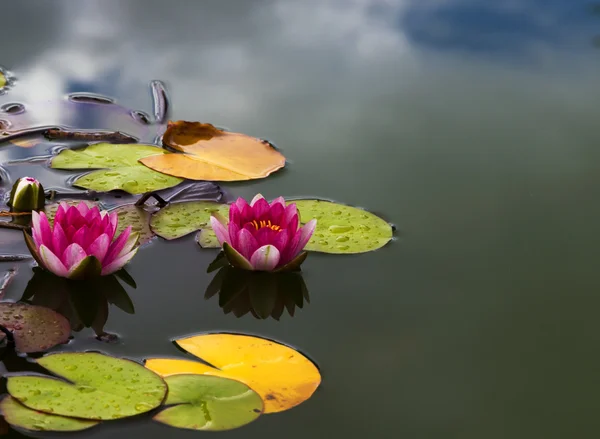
[[26, 195]]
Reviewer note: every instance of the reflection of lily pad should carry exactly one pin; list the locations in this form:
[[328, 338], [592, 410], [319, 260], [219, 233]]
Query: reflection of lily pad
[[118, 168], [201, 402], [179, 219], [99, 388], [282, 376], [34, 328], [19, 416]]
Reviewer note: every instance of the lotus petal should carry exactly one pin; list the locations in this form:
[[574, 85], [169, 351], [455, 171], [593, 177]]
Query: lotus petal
[[305, 234], [220, 230], [99, 247], [118, 263], [255, 199], [117, 245], [89, 267], [59, 239], [265, 258], [247, 244], [73, 255], [52, 262], [235, 258]]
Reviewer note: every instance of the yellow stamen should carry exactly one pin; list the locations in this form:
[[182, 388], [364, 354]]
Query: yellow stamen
[[263, 223]]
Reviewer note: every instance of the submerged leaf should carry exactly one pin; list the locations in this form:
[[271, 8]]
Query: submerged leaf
[[99, 387], [118, 167], [179, 219], [201, 402], [19, 416], [34, 328], [2, 79], [214, 155], [282, 376]]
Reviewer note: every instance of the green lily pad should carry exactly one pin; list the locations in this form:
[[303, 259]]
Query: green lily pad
[[137, 218], [179, 219], [206, 238], [343, 229], [19, 416], [100, 387], [210, 403], [340, 229], [119, 168], [34, 328]]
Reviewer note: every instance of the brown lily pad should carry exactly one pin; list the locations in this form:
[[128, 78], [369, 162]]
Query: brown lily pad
[[214, 155], [34, 328]]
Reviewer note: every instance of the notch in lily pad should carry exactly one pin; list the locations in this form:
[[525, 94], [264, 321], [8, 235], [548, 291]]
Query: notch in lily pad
[[209, 403], [282, 376]]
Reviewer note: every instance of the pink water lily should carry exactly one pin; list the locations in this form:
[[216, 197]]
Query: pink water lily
[[81, 243], [261, 236]]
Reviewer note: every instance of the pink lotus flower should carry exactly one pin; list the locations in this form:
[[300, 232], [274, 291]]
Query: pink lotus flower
[[262, 236], [81, 243]]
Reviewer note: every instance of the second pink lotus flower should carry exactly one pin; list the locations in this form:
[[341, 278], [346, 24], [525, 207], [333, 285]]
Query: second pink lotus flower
[[262, 236], [81, 243]]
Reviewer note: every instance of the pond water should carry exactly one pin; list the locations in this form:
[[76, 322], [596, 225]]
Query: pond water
[[472, 126]]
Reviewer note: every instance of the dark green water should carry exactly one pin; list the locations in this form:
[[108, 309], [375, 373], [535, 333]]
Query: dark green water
[[472, 127]]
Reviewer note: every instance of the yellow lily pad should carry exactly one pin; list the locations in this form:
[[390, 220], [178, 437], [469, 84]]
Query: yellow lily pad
[[283, 377]]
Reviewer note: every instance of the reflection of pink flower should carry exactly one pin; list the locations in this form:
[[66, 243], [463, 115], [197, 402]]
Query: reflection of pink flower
[[81, 243], [262, 236]]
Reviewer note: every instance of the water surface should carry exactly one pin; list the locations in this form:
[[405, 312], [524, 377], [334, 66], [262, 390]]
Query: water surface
[[471, 126]]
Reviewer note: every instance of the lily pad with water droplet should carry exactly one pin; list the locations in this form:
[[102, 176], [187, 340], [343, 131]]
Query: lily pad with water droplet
[[34, 328], [99, 387], [340, 228], [118, 168], [179, 219], [19, 416], [343, 229], [137, 218], [202, 402]]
